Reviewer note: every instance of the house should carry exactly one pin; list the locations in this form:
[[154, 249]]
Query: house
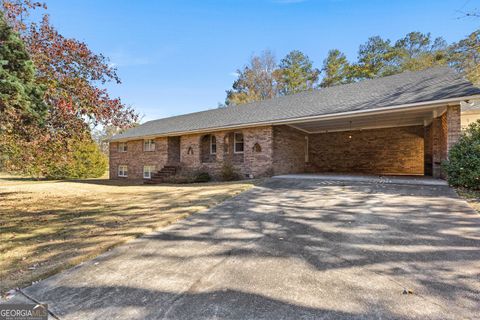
[[470, 113], [402, 124]]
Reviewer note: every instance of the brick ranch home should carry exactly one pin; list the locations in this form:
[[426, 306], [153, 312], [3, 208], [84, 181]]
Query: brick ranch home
[[402, 124]]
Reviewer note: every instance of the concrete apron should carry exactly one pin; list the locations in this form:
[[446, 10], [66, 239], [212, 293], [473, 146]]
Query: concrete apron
[[405, 180]]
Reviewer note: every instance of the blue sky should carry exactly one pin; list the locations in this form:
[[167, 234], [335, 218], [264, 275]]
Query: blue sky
[[180, 56]]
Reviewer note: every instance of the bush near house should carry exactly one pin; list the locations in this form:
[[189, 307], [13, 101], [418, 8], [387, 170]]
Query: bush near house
[[87, 161], [229, 173], [203, 177], [463, 166]]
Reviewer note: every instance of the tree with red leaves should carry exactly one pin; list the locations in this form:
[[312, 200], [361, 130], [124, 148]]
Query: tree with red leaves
[[72, 77]]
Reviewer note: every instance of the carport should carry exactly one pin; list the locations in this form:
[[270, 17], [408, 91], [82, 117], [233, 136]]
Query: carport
[[405, 140]]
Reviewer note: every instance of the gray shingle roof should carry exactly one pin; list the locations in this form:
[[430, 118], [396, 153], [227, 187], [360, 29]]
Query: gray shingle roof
[[404, 88]]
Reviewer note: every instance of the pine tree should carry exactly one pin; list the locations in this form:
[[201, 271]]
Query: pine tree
[[22, 110], [21, 99], [336, 68], [296, 73]]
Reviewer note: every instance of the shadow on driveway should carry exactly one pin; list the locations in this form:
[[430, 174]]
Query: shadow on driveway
[[291, 249]]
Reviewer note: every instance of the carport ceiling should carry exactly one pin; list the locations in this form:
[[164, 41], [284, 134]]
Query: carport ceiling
[[372, 121]]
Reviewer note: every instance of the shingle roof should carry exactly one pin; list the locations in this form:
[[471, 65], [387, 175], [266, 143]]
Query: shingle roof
[[404, 88]]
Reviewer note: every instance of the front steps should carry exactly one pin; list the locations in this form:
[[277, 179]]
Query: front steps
[[159, 176]]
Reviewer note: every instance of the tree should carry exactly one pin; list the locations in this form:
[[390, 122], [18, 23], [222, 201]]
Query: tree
[[73, 77], [102, 136], [463, 165], [465, 56], [296, 73], [337, 69], [21, 98], [255, 81], [376, 58], [417, 52], [87, 161]]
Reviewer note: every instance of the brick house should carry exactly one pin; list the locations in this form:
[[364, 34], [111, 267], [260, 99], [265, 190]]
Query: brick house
[[400, 125]]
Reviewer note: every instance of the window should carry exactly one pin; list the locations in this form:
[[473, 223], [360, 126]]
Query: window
[[238, 143], [213, 144], [122, 147], [149, 145], [122, 171], [147, 171]]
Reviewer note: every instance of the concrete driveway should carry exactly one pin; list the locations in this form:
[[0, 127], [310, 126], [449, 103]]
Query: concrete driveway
[[291, 249]]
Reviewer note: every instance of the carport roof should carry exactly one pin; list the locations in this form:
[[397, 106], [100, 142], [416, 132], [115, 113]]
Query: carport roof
[[407, 88]]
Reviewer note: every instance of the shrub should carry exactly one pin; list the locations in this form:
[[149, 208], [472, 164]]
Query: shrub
[[85, 161], [463, 165], [229, 173], [202, 177]]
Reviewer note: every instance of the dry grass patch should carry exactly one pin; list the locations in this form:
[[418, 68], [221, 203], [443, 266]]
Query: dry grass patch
[[471, 196], [47, 226]]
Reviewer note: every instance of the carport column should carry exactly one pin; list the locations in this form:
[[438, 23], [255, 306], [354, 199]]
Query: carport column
[[446, 131], [454, 126]]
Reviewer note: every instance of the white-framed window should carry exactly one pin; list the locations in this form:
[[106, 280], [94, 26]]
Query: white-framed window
[[149, 145], [238, 142], [213, 144], [147, 171], [122, 170], [122, 147]]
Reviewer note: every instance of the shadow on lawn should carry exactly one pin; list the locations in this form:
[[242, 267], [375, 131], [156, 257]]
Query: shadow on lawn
[[66, 231]]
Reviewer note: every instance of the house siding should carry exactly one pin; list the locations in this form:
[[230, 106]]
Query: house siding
[[288, 150], [445, 132], [135, 158], [253, 161]]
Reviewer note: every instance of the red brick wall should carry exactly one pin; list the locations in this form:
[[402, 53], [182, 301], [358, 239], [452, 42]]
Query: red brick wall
[[135, 158], [428, 150], [376, 151], [288, 150], [454, 125], [281, 150], [446, 131], [251, 162]]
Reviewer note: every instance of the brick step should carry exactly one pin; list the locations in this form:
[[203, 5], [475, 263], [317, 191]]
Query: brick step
[[162, 174], [159, 176]]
